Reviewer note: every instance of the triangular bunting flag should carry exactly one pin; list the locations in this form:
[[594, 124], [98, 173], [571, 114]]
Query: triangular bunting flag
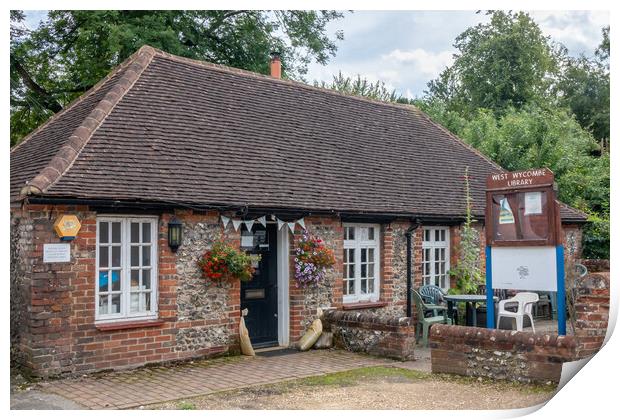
[[262, 221], [301, 223], [280, 223], [225, 220], [249, 224], [236, 223], [291, 226]]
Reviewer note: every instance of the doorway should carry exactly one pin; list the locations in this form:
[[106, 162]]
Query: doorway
[[260, 294]]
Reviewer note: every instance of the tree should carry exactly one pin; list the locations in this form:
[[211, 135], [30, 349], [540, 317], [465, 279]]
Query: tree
[[584, 88], [360, 87], [505, 63], [72, 50]]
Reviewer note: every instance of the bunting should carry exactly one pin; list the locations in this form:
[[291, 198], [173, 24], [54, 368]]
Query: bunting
[[263, 221]]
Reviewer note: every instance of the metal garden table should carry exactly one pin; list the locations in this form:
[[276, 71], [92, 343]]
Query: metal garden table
[[470, 301]]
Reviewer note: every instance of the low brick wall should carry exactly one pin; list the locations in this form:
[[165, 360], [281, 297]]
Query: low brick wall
[[500, 354], [385, 336], [591, 313]]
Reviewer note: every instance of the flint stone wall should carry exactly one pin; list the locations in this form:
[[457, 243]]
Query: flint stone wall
[[368, 333], [499, 354]]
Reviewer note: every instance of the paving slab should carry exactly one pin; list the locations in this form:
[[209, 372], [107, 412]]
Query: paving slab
[[130, 389]]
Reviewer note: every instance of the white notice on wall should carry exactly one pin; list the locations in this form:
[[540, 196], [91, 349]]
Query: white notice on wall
[[533, 203], [53, 253], [247, 241], [524, 268]]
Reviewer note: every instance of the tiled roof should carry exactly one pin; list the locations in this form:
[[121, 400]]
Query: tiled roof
[[167, 129]]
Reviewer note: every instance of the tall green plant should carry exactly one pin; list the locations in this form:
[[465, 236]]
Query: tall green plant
[[467, 270]]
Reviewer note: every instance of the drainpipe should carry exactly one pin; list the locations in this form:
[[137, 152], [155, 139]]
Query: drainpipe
[[412, 228]]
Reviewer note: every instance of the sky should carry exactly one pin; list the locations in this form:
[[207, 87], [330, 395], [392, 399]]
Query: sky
[[407, 49]]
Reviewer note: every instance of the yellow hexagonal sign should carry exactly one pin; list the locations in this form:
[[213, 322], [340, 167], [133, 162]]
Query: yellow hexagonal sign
[[67, 226]]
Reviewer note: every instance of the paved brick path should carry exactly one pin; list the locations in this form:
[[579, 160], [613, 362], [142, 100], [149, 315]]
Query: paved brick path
[[158, 384]]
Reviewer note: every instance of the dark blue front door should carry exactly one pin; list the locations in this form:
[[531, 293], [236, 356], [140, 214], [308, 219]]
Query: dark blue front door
[[260, 295]]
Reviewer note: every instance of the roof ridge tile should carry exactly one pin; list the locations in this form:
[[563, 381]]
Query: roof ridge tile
[[66, 155]]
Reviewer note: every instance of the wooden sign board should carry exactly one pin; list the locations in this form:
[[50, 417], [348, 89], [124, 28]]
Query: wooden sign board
[[521, 209], [520, 179]]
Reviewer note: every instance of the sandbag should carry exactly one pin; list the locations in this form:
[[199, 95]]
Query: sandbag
[[325, 341], [312, 334], [244, 336]]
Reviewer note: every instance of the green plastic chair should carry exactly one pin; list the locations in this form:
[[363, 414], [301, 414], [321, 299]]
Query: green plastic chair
[[425, 322]]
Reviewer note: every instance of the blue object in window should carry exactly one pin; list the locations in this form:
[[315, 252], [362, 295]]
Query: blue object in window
[[115, 277], [103, 280]]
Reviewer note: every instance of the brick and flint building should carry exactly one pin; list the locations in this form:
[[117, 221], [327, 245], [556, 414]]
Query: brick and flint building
[[164, 137]]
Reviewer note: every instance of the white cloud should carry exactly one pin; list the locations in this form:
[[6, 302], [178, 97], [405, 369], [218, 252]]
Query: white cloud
[[420, 61]]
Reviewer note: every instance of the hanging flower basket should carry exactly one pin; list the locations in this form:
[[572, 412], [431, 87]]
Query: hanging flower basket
[[312, 260], [224, 262]]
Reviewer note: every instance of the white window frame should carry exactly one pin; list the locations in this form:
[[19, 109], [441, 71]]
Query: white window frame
[[124, 314], [429, 278], [357, 244]]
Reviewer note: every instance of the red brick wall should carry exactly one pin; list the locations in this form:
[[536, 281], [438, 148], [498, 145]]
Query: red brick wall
[[592, 312], [59, 334]]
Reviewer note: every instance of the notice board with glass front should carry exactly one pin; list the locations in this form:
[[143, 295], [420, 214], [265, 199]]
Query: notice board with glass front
[[521, 209]]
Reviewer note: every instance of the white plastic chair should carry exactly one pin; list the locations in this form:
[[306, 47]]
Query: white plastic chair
[[525, 301]]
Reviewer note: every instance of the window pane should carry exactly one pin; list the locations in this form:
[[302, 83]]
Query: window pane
[[363, 257], [443, 235], [345, 256], [103, 281], [104, 232], [103, 256], [135, 233], [103, 304], [371, 255], [371, 270], [147, 301], [371, 285], [135, 279], [116, 232], [135, 256], [146, 279], [344, 288], [351, 233], [116, 256], [351, 255], [351, 287], [146, 232], [351, 271], [363, 268], [437, 250], [115, 308], [363, 286], [134, 302], [437, 235], [146, 255], [116, 280], [427, 235], [371, 234]]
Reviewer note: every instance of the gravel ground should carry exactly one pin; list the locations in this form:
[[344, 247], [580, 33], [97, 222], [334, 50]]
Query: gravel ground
[[394, 390]]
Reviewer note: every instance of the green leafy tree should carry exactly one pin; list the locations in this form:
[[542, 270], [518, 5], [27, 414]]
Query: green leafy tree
[[72, 50], [584, 89], [360, 87], [505, 63]]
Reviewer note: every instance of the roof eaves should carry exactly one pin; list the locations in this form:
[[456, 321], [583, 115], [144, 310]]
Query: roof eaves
[[64, 158]]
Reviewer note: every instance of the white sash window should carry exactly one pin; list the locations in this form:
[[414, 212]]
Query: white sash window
[[126, 275], [436, 256], [361, 260]]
